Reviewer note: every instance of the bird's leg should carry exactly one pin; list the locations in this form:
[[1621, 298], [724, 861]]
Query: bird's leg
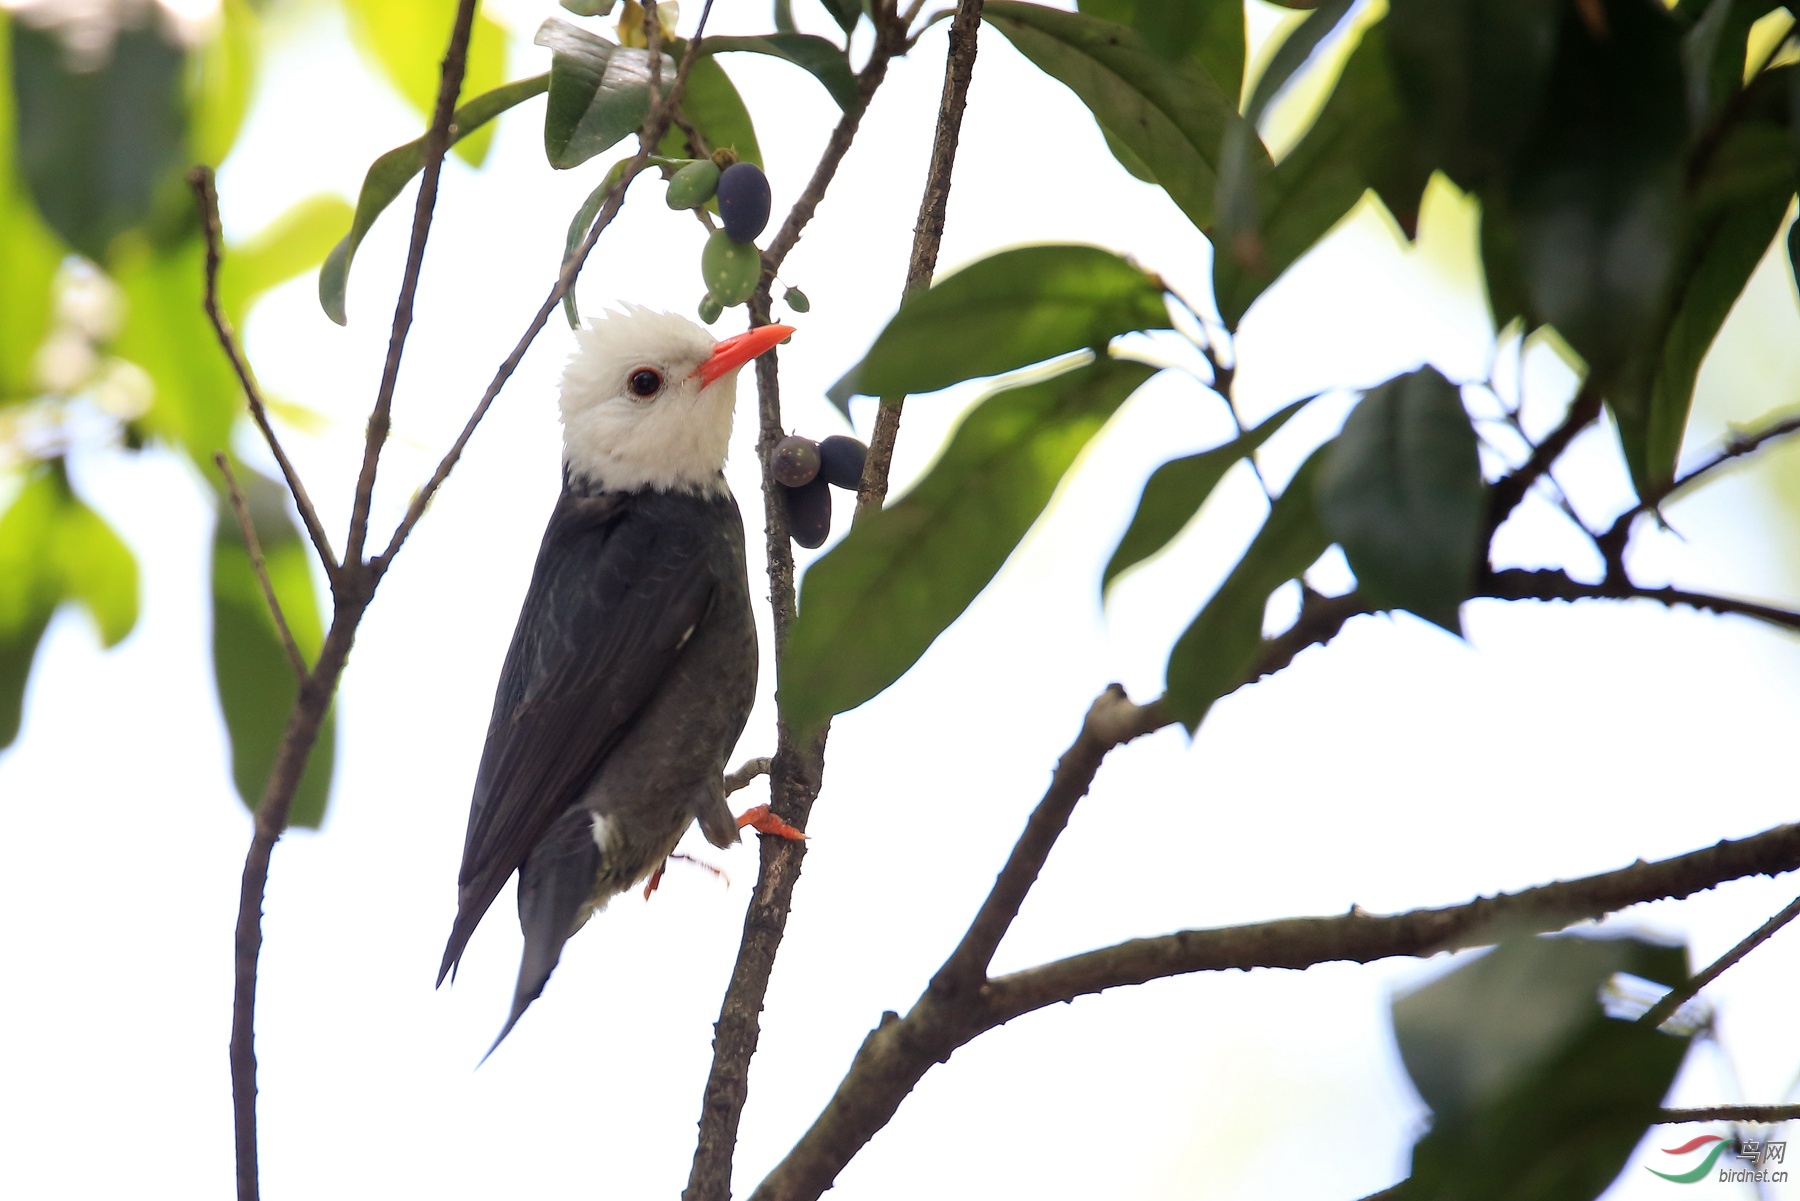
[[656, 877], [761, 819]]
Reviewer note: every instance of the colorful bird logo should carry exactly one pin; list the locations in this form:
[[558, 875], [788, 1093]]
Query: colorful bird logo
[[1719, 1143]]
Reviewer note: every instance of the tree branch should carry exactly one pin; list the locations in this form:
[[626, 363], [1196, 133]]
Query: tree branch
[[437, 144], [747, 771], [1510, 489], [1551, 584], [201, 180], [1664, 1009], [1756, 1114], [254, 548], [796, 768]]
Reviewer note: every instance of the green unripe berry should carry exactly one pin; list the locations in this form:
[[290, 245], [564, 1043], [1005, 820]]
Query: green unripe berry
[[693, 185], [731, 269], [710, 308], [796, 300]]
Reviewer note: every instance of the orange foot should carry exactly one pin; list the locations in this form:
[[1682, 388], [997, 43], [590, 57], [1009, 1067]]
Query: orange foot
[[656, 877], [762, 820]]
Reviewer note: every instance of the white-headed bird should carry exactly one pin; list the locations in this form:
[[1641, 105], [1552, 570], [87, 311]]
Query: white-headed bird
[[633, 666]]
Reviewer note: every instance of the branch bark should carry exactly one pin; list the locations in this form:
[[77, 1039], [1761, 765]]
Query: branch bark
[[1551, 584], [1664, 1009], [1758, 1114]]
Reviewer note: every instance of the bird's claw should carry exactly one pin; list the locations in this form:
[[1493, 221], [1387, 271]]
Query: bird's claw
[[763, 820]]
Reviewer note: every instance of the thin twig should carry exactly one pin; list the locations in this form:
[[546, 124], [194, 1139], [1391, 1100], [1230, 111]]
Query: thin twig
[[747, 771], [797, 768], [1761, 1115], [1660, 1012], [437, 144], [1511, 488], [201, 180], [898, 1053], [259, 565], [1550, 584]]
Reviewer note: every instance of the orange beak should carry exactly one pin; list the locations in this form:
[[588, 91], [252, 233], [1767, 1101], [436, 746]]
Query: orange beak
[[734, 352]]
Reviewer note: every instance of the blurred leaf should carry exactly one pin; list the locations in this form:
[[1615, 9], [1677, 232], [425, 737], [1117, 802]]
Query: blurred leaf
[[1003, 312], [1360, 140], [1219, 650], [715, 109], [94, 145], [295, 242], [911, 569], [1713, 51], [255, 680], [54, 548], [30, 255], [599, 92], [1473, 75], [1793, 245], [1175, 491], [1401, 492], [167, 334], [1294, 52], [828, 64], [390, 173], [1209, 31], [407, 40], [1171, 115], [1724, 243], [845, 12], [222, 76], [1535, 1092]]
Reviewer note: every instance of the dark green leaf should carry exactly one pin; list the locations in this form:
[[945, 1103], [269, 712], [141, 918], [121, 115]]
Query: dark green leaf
[[94, 145], [1218, 652], [31, 256], [1209, 31], [1128, 159], [393, 171], [1713, 51], [845, 12], [578, 228], [1536, 1093], [1175, 491], [1171, 115], [599, 92], [1793, 245], [255, 679], [1360, 140], [910, 570], [828, 64], [1006, 311], [712, 105], [1401, 492], [407, 38], [784, 15]]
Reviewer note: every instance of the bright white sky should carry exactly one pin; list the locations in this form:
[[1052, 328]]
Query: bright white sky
[[1396, 768]]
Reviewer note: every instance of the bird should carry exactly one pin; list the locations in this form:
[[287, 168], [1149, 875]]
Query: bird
[[633, 666]]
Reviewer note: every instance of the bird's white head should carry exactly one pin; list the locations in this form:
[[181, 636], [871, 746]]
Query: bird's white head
[[647, 400]]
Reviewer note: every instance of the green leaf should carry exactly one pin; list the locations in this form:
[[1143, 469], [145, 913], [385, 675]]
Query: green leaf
[[54, 548], [1793, 245], [1401, 492], [295, 242], [166, 332], [250, 666], [390, 173], [1006, 311], [1209, 31], [1175, 491], [911, 569], [1535, 1092], [93, 146], [599, 92], [1360, 140], [1171, 115], [826, 62], [1217, 653], [714, 107], [406, 39], [1724, 245], [578, 228], [1713, 51], [221, 78], [845, 12], [31, 256]]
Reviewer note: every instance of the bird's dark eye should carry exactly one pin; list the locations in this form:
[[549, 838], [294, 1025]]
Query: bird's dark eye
[[645, 383]]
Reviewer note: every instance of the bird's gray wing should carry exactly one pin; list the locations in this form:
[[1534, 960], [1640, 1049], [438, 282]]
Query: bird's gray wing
[[612, 600]]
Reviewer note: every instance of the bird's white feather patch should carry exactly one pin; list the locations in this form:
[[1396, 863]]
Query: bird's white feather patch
[[674, 441]]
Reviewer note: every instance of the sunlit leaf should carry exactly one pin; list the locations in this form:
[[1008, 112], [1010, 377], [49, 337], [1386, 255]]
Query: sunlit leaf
[[1400, 490], [1175, 491], [1217, 653], [1209, 31], [599, 92], [826, 62], [250, 666], [93, 146], [407, 40], [97, 570], [1171, 115], [30, 254], [197, 397], [390, 173], [295, 242], [222, 76], [872, 605], [1003, 312], [712, 105], [1535, 1092]]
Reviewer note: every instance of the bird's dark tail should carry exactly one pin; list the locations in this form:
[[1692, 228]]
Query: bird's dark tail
[[554, 884]]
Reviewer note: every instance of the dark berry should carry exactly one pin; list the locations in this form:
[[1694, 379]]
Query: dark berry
[[795, 460], [743, 194], [809, 513], [841, 461]]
